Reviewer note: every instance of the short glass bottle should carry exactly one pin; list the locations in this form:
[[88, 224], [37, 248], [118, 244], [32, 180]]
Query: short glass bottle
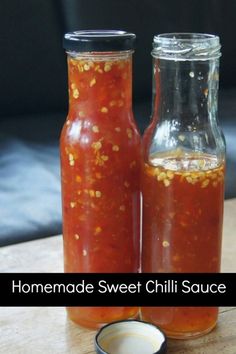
[[183, 173], [100, 165]]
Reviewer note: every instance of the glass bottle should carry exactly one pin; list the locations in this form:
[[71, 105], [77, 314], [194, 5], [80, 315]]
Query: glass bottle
[[183, 173], [100, 165]]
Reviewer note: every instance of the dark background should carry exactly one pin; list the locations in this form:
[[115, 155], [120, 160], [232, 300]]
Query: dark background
[[33, 91]]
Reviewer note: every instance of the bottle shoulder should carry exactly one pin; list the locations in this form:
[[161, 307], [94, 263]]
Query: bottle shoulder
[[172, 135], [83, 132]]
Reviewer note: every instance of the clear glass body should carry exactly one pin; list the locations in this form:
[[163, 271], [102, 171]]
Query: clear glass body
[[100, 167], [183, 174]]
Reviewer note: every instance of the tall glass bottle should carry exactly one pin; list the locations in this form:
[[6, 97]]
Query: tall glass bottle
[[183, 173], [100, 164]]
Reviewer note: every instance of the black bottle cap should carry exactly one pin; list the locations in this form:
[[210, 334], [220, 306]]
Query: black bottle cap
[[98, 41]]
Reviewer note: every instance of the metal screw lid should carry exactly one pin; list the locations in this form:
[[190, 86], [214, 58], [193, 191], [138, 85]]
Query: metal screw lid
[[98, 41]]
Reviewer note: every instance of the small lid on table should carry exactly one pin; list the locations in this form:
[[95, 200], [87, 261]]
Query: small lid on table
[[129, 337]]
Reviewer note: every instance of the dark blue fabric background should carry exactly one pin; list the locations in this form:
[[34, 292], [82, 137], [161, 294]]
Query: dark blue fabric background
[[33, 91]]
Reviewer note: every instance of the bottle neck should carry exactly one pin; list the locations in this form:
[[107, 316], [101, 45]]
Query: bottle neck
[[100, 84], [185, 92]]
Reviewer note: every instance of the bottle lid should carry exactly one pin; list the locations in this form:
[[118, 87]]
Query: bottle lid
[[130, 336], [98, 41]]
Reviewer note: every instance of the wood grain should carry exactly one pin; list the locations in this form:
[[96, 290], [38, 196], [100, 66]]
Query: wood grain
[[47, 330]]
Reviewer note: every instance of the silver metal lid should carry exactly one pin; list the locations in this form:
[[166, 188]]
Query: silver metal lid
[[130, 336]]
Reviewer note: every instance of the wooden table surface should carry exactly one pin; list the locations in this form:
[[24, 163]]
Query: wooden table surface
[[47, 330]]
